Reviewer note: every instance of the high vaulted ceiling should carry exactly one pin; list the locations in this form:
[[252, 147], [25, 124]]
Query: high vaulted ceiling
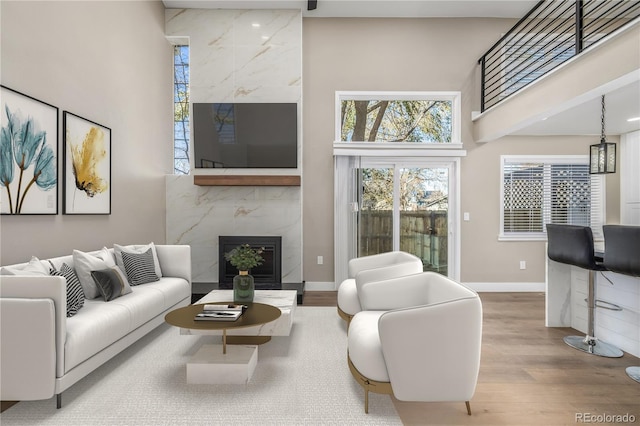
[[374, 8], [581, 117]]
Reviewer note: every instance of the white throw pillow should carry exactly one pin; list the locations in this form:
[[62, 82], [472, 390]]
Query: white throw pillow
[[136, 249], [34, 267], [85, 263]]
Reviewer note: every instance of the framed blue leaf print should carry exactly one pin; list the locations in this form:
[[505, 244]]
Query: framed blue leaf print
[[28, 155]]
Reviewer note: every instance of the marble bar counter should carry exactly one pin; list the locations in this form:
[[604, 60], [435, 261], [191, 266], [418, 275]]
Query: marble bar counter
[[565, 304]]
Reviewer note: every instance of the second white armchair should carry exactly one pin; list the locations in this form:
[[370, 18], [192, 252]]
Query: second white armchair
[[373, 268]]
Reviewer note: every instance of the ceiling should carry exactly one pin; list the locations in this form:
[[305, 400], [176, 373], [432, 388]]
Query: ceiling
[[580, 117], [583, 116], [374, 8]]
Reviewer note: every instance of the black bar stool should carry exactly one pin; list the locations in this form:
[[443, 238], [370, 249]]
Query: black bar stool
[[622, 255], [573, 245]]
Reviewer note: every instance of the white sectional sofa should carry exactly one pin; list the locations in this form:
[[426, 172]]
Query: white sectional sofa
[[44, 352]]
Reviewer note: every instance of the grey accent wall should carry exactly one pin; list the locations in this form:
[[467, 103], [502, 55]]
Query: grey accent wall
[[110, 63]]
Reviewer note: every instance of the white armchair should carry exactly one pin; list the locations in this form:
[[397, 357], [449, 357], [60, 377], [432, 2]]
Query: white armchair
[[374, 267], [418, 337]]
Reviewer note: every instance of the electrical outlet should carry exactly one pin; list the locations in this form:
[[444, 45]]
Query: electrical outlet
[[320, 260], [523, 264]]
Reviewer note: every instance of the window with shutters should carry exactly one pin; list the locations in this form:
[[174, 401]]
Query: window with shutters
[[536, 190]]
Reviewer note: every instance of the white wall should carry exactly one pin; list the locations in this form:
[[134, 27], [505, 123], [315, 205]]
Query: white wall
[[111, 63], [629, 178]]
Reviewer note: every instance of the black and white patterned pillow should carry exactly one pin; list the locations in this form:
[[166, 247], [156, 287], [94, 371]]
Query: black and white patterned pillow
[[75, 295], [139, 267]]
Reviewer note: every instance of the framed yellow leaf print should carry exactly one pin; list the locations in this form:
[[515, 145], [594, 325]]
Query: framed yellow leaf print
[[87, 166]]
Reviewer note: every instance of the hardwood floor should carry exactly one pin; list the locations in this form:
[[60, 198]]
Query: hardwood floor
[[320, 298], [528, 376]]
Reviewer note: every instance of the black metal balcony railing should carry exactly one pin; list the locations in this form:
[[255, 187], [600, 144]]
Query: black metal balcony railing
[[548, 35]]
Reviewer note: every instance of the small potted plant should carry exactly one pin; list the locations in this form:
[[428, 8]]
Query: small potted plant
[[244, 257]]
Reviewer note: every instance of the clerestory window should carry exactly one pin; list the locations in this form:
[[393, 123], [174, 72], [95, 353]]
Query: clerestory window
[[398, 118]]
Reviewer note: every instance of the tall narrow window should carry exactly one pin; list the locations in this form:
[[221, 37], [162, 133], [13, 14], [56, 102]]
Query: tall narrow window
[[181, 109]]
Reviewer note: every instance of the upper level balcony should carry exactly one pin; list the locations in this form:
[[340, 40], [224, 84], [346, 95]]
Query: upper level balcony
[[547, 74]]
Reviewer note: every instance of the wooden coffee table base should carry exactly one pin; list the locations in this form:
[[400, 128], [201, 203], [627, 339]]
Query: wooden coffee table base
[[210, 366]]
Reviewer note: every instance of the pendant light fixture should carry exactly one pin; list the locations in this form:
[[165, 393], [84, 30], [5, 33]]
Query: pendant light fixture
[[602, 157]]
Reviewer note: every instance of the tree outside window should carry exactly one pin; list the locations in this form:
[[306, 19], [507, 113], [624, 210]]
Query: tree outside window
[[408, 121], [181, 110]]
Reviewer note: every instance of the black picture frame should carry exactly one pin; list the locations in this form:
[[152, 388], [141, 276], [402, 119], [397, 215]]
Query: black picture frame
[[29, 131], [87, 166]]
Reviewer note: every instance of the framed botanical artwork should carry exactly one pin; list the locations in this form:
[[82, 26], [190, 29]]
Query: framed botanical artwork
[[28, 155], [87, 166]]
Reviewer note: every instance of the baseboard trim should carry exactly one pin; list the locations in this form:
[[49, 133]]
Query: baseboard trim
[[479, 287], [507, 287], [319, 286]]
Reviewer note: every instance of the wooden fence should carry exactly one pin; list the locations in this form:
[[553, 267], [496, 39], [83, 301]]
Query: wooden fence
[[423, 233]]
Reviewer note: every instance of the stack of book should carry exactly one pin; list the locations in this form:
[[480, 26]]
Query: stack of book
[[230, 312]]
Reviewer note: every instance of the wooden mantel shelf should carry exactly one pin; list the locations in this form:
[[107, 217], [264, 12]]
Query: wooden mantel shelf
[[246, 180]]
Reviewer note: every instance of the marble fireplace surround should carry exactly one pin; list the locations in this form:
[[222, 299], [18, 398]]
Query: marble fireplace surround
[[238, 56], [198, 215]]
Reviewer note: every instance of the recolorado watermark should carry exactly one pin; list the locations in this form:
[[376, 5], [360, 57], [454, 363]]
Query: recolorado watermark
[[605, 418]]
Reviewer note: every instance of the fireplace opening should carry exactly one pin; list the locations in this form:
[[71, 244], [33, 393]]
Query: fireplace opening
[[269, 273]]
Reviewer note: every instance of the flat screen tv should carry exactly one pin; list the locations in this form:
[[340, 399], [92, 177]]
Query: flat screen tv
[[245, 135]]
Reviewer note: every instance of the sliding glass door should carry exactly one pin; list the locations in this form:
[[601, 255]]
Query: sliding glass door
[[404, 205]]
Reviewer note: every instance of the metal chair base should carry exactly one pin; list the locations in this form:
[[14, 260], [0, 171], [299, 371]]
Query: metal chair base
[[378, 387], [589, 343], [345, 316], [634, 373], [593, 346]]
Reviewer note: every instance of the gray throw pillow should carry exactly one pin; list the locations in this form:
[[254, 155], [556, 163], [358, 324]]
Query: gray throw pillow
[[111, 283]]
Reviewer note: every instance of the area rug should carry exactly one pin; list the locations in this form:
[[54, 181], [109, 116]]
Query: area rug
[[302, 379]]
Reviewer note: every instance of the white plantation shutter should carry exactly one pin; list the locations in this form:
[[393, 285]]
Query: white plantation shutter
[[549, 189], [523, 185]]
